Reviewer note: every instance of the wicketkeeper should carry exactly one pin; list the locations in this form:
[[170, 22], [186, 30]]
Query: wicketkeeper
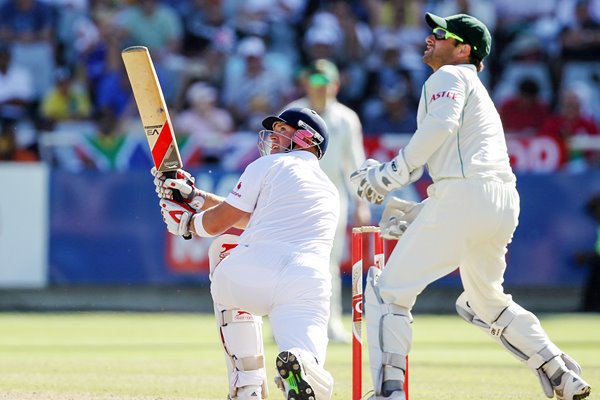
[[467, 220]]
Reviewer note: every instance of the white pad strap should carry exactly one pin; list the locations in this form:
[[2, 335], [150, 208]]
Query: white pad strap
[[543, 356]]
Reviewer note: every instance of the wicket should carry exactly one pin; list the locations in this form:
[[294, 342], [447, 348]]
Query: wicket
[[360, 238]]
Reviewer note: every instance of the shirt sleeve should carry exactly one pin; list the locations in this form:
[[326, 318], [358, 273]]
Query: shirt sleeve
[[444, 96], [244, 194]]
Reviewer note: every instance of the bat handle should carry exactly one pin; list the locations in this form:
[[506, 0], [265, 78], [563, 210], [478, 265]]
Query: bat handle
[[177, 197]]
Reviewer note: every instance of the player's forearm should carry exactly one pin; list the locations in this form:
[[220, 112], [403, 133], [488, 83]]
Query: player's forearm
[[216, 220], [210, 199]]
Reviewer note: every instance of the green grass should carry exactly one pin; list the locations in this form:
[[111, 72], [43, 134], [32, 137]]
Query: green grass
[[178, 356]]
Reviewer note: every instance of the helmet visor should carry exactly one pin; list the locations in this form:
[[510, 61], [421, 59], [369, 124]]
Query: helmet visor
[[271, 142]]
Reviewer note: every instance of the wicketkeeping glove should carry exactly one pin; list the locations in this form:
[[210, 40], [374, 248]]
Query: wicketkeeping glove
[[358, 178], [183, 182], [397, 215], [375, 180], [177, 216]]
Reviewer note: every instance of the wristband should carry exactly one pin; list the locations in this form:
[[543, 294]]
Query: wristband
[[199, 226], [198, 200]]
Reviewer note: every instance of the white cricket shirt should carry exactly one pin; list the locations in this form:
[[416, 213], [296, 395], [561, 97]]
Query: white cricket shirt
[[292, 202], [345, 152], [459, 133]]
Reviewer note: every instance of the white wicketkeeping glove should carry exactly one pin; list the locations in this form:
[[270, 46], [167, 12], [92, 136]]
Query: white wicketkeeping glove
[[183, 182], [375, 180], [358, 178], [177, 216], [397, 215]]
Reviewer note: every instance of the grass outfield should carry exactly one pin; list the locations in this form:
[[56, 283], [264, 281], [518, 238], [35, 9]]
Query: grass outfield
[[178, 356]]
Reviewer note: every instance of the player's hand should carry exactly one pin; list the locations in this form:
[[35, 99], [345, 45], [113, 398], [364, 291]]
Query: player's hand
[[358, 178], [177, 216], [183, 182], [375, 180], [397, 215]]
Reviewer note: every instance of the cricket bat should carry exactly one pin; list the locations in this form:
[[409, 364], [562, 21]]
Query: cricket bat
[[153, 111]]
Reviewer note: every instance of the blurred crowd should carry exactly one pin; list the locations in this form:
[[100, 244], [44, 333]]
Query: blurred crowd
[[225, 64]]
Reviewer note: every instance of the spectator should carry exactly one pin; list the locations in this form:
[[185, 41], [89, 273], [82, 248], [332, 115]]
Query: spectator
[[580, 46], [356, 44], [114, 99], [591, 293], [286, 26], [565, 10], [568, 122], [526, 57], [388, 68], [206, 124], [28, 26], [98, 43], [156, 25], [203, 20], [402, 21], [483, 10], [322, 39], [16, 90], [580, 39], [392, 112], [67, 100], [73, 26], [152, 24], [11, 151], [524, 112], [253, 88]]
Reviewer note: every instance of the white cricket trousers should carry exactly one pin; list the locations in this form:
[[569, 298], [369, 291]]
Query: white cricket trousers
[[291, 287], [466, 223]]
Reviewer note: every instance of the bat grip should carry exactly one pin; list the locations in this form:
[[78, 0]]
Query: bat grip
[[177, 196]]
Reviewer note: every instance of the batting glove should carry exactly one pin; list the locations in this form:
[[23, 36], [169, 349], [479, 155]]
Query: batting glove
[[397, 215], [183, 183], [375, 180], [177, 216]]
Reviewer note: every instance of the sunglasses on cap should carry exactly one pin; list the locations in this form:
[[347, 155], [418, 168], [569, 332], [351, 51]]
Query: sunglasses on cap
[[442, 34]]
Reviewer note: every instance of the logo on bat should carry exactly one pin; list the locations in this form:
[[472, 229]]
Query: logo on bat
[[152, 130]]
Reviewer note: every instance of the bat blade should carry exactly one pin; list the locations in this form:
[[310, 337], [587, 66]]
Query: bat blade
[[152, 108], [154, 114]]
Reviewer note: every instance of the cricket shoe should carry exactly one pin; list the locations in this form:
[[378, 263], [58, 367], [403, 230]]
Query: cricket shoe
[[292, 380], [250, 392], [572, 387]]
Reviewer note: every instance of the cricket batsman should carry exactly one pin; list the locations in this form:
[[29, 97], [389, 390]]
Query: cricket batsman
[[279, 265]]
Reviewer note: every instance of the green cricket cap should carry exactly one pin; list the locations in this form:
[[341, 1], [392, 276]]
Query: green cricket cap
[[472, 30], [322, 72]]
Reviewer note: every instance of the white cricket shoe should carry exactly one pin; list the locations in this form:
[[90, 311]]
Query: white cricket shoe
[[572, 387], [250, 392]]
